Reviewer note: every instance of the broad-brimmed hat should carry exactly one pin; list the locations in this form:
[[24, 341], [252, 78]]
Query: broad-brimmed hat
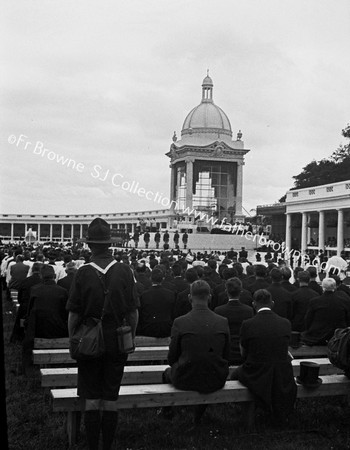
[[99, 232]]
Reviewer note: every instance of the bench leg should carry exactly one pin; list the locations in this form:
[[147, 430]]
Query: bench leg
[[249, 415], [73, 426]]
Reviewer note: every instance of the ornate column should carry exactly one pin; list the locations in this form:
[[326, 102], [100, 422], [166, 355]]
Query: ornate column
[[304, 232], [50, 231], [38, 236], [308, 229], [172, 188], [81, 231], [340, 232], [288, 231], [71, 231], [189, 182], [12, 225], [321, 230], [62, 232], [239, 188]]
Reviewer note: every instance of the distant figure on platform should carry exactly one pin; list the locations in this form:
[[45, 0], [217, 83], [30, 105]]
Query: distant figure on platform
[[157, 238], [243, 253], [267, 370], [136, 238], [146, 238], [166, 238], [185, 239], [176, 239]]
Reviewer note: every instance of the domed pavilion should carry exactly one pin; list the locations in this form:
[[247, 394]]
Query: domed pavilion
[[206, 164]]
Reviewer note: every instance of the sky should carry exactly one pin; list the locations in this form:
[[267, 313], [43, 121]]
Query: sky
[[101, 86]]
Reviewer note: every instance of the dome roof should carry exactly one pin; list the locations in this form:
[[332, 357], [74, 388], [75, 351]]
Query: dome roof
[[207, 81], [206, 117]]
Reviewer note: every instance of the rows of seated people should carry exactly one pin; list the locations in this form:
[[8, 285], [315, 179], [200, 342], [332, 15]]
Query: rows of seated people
[[43, 276]]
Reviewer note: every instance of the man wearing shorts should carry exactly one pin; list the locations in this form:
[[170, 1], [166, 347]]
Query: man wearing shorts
[[99, 379]]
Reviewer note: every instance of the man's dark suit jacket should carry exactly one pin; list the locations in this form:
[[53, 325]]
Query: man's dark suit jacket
[[182, 303], [24, 290], [47, 311], [19, 273], [144, 279], [236, 313], [66, 281], [282, 299], [325, 313], [23, 300], [259, 283], [199, 350], [342, 287], [180, 284], [300, 304], [247, 282], [288, 286], [245, 297], [267, 370], [156, 312], [315, 287], [215, 294], [345, 299]]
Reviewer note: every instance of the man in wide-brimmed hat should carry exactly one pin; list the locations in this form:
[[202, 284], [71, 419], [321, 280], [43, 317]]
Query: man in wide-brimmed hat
[[99, 379]]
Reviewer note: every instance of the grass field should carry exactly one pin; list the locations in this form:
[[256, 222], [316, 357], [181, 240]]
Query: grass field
[[31, 425]]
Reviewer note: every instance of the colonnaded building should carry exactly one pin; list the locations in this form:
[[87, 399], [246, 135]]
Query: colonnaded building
[[207, 180], [206, 176]]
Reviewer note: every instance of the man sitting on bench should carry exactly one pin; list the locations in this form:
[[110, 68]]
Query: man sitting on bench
[[199, 349], [267, 370]]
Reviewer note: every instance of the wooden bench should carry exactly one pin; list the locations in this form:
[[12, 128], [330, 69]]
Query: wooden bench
[[61, 356], [140, 341], [160, 395], [150, 374]]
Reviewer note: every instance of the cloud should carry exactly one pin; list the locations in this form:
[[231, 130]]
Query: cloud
[[108, 83]]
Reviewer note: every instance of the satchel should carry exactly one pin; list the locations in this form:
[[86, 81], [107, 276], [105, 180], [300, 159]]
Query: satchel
[[125, 338], [87, 341], [338, 349]]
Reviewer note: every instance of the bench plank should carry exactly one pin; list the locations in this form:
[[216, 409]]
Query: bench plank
[[151, 374], [140, 341], [159, 395], [62, 356], [160, 353]]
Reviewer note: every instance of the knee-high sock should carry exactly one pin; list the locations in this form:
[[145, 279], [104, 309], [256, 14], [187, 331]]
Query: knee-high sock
[[109, 426], [92, 421]]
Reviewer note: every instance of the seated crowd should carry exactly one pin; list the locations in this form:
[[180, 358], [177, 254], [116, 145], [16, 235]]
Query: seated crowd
[[218, 311]]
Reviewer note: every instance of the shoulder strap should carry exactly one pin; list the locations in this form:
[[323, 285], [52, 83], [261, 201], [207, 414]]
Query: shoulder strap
[[106, 269], [101, 276]]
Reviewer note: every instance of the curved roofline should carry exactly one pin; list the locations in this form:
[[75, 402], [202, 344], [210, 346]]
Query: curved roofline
[[189, 116]]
